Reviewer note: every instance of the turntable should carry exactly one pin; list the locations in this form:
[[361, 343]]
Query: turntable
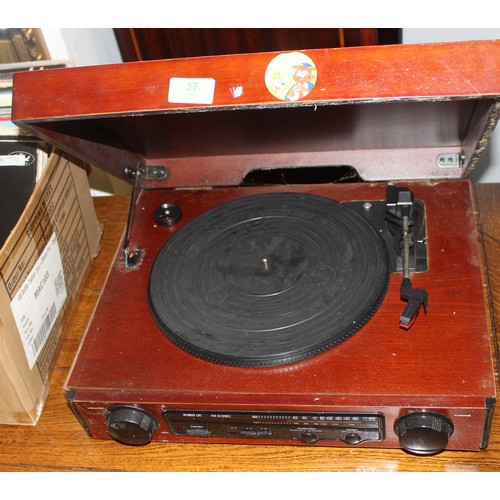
[[346, 312]]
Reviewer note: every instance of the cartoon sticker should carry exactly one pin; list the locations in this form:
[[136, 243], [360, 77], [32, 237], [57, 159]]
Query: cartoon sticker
[[291, 76]]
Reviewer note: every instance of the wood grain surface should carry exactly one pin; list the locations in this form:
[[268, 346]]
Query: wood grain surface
[[59, 443]]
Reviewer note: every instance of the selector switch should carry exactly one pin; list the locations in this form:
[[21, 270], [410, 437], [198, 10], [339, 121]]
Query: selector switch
[[197, 431], [423, 433], [131, 425]]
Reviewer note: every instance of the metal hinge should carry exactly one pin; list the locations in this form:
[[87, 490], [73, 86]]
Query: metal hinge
[[450, 160], [148, 172]]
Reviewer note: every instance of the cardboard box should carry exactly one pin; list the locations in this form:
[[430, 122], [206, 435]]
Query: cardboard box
[[42, 266]]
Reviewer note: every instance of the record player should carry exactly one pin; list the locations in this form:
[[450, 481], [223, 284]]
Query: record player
[[344, 304]]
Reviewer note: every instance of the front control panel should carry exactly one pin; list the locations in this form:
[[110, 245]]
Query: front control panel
[[309, 428], [415, 430]]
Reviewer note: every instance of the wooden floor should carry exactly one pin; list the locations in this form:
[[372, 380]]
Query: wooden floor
[[59, 443]]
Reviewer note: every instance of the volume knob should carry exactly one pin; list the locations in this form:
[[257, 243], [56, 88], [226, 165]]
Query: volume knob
[[131, 425], [423, 433]]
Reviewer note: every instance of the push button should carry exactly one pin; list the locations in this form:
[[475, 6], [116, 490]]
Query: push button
[[308, 437], [352, 438]]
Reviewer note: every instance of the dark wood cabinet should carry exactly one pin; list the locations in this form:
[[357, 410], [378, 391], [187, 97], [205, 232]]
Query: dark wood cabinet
[[138, 44]]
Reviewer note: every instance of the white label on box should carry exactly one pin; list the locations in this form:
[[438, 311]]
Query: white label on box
[[37, 303], [191, 90], [17, 159]]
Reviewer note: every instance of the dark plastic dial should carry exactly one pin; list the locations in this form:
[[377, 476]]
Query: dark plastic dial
[[423, 433], [131, 425]]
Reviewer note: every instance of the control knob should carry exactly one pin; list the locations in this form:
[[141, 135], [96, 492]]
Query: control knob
[[131, 425], [423, 433]]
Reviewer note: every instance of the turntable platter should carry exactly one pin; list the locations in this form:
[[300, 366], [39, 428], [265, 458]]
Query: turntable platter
[[268, 279]]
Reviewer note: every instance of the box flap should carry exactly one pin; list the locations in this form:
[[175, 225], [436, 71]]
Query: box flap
[[391, 112]]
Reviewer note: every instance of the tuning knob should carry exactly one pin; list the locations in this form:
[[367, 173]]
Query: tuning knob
[[423, 433], [131, 425]]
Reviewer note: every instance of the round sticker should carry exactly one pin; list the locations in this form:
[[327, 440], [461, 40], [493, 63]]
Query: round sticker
[[290, 76]]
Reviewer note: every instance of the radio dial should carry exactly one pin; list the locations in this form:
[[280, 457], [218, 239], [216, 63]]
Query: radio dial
[[423, 433], [131, 425]]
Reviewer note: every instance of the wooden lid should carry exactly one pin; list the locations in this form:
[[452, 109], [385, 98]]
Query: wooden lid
[[391, 112]]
